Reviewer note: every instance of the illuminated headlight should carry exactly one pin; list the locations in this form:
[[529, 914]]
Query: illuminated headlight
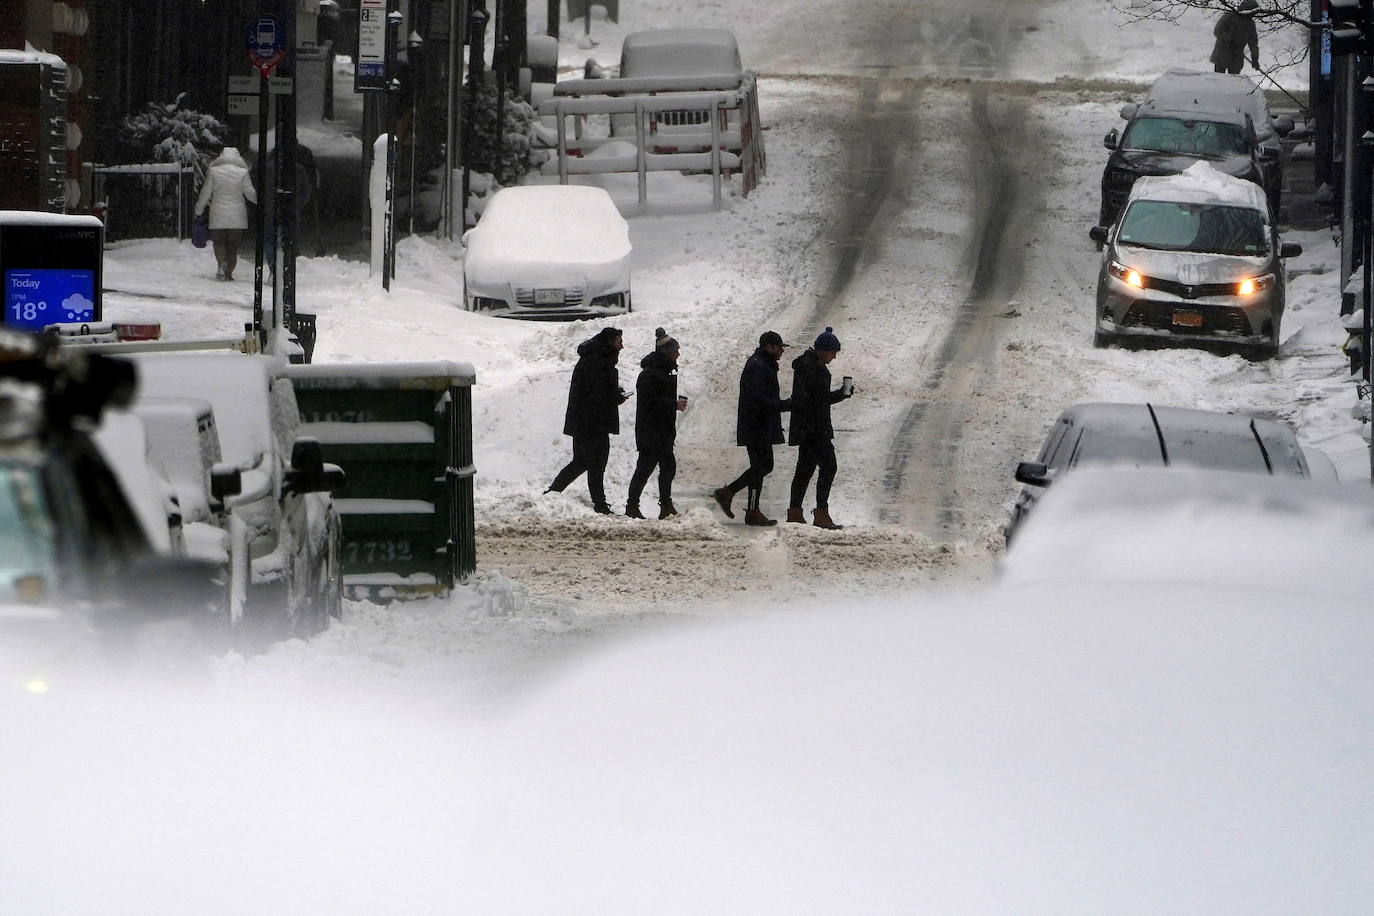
[[1255, 285], [36, 685], [1125, 274]]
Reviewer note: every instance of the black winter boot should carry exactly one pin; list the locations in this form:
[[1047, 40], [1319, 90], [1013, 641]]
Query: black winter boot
[[632, 511], [665, 509]]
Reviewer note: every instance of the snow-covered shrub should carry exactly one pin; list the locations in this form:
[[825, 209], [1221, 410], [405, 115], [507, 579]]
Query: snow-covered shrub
[[171, 132], [518, 154]]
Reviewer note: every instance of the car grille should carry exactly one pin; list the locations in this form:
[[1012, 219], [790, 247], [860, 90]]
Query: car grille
[[1215, 319], [1187, 291], [524, 297], [681, 118]]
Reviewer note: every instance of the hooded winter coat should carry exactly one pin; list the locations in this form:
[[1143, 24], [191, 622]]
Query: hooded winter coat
[[1235, 32], [759, 419], [811, 400], [226, 185], [656, 410], [594, 394]]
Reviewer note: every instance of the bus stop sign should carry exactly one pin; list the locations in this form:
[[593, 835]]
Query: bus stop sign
[[265, 43]]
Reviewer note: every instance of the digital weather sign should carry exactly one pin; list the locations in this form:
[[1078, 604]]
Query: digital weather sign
[[37, 298]]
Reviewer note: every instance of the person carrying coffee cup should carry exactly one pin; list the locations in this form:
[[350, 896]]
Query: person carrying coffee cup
[[656, 425], [811, 431]]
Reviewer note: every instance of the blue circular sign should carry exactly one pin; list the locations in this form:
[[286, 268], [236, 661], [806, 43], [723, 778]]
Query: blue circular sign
[[265, 40]]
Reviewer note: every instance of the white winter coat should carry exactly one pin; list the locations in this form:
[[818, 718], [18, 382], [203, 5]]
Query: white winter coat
[[227, 183]]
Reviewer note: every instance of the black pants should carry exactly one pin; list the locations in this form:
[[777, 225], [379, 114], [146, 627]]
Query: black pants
[[226, 245], [810, 457], [590, 454], [666, 462], [1222, 68], [760, 466]]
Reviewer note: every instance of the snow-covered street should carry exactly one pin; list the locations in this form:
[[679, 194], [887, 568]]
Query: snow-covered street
[[691, 715]]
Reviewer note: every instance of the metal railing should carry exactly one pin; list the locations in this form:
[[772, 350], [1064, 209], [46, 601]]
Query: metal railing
[[145, 200]]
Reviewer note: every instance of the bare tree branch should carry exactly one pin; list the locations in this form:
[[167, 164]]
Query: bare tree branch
[[1271, 17]]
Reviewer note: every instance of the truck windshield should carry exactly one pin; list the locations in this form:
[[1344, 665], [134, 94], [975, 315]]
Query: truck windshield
[[1208, 139], [28, 545], [1210, 228]]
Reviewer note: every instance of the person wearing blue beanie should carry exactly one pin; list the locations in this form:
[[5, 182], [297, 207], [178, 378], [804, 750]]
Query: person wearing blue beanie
[[811, 430]]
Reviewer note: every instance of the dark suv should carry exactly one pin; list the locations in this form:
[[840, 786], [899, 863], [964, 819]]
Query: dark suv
[[77, 571], [1189, 116]]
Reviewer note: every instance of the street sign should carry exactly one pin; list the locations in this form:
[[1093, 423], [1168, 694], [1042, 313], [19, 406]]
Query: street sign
[[241, 104], [248, 85], [266, 43], [370, 70]]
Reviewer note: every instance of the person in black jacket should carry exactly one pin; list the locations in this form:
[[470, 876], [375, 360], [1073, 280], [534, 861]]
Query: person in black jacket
[[656, 425], [594, 399], [758, 426], [810, 429], [1235, 34]]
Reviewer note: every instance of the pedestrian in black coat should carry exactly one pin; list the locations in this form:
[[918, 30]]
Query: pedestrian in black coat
[[594, 399], [758, 426], [1235, 33], [811, 430], [656, 425]]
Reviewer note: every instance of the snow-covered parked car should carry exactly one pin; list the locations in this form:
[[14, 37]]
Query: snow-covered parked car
[[1139, 436], [548, 252], [1193, 257], [284, 503], [679, 59]]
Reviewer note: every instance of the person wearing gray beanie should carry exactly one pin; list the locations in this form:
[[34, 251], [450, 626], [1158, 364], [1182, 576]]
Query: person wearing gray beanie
[[656, 413], [811, 430]]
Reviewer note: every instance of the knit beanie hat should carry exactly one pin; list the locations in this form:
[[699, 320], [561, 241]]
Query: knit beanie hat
[[827, 341], [663, 343]]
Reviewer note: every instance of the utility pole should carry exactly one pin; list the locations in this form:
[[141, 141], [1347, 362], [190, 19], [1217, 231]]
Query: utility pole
[[285, 309], [477, 26], [555, 8], [393, 27], [1352, 37]]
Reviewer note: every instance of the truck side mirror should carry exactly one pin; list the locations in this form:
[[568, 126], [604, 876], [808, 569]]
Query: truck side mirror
[[1098, 234], [1033, 474], [1290, 250], [226, 480], [309, 473], [1112, 139]]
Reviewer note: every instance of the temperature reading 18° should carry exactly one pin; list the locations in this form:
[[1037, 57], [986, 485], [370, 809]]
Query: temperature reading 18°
[[27, 312]]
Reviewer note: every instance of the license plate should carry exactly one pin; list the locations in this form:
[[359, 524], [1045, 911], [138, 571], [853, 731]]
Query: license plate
[[548, 297], [1188, 319]]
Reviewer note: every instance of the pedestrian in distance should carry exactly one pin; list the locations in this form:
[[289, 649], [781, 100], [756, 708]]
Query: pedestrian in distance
[[656, 409], [593, 415], [225, 193], [811, 431], [758, 427], [1235, 33]]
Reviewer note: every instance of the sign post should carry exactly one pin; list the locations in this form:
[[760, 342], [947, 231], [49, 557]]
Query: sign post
[[264, 45]]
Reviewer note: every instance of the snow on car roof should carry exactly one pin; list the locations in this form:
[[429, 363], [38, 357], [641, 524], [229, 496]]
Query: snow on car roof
[[235, 384], [561, 224], [1191, 438], [1179, 87], [679, 52], [1194, 526], [1201, 184]]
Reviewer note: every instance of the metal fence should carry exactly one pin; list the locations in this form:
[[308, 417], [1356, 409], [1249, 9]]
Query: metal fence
[[144, 201]]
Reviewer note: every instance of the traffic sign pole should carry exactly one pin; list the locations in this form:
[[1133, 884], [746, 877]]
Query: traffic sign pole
[[264, 201]]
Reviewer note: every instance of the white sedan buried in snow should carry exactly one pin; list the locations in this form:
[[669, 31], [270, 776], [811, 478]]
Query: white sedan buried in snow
[[548, 252]]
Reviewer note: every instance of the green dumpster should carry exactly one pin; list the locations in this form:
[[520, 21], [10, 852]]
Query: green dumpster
[[402, 432]]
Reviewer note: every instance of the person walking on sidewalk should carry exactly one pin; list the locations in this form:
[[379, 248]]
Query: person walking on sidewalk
[[758, 427], [811, 430], [593, 415], [224, 192], [656, 425], [1235, 33]]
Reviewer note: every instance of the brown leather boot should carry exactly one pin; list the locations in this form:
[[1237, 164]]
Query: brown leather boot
[[795, 515], [753, 516], [823, 519], [723, 498]]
